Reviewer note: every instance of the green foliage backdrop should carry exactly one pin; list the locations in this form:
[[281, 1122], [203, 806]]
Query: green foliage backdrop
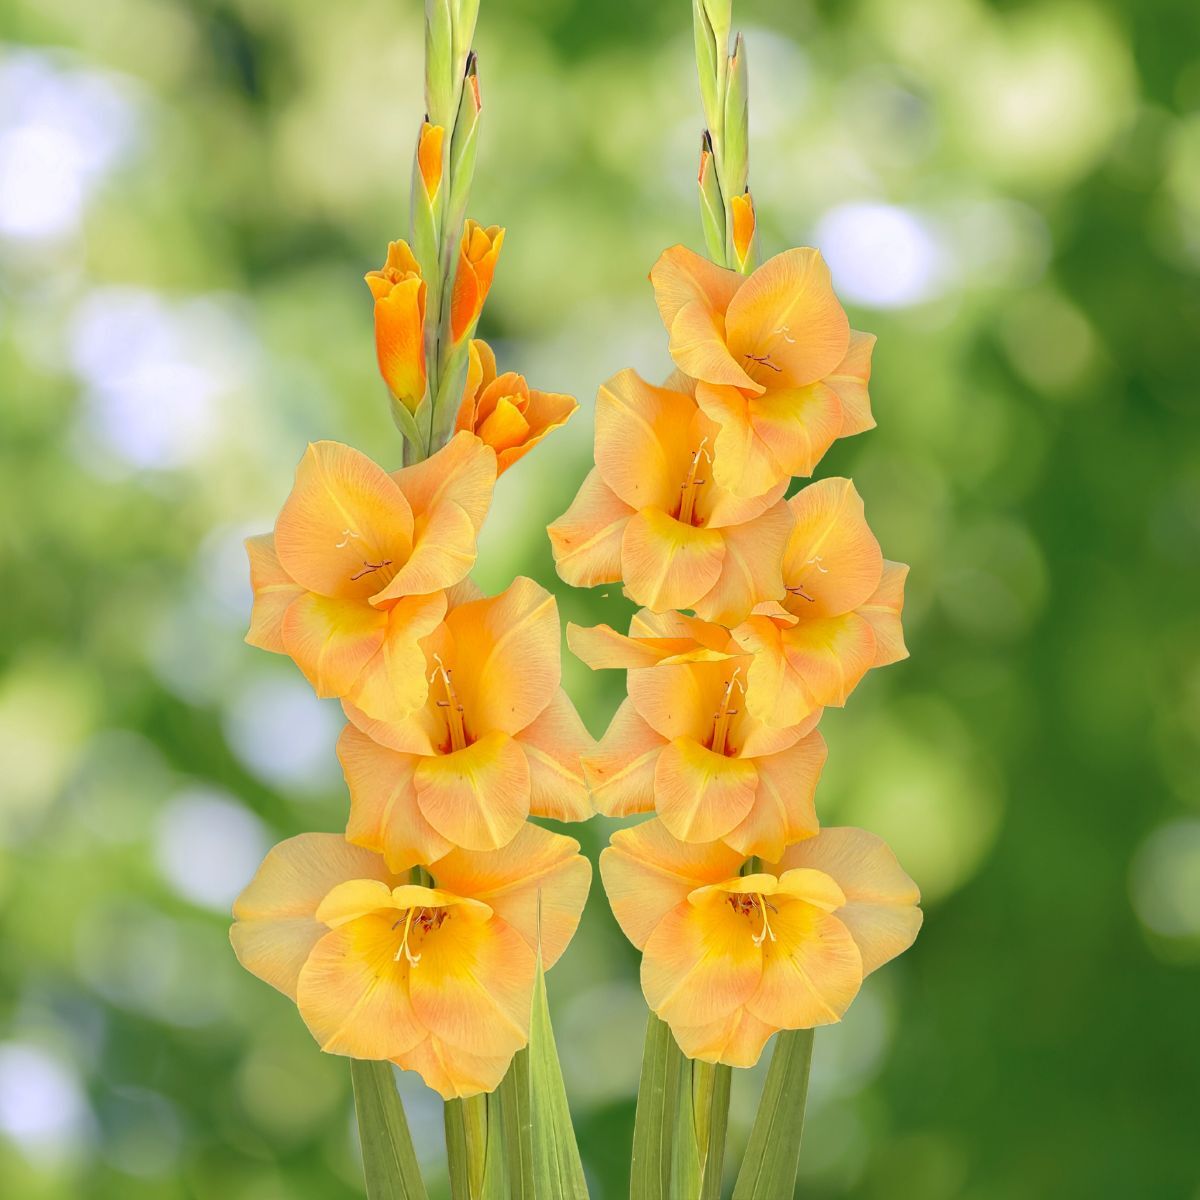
[[1009, 195]]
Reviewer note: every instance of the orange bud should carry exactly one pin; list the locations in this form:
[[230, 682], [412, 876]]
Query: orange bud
[[399, 293], [429, 156], [743, 225], [476, 265]]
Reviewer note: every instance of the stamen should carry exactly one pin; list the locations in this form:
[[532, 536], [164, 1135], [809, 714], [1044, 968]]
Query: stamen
[[766, 931], [816, 562], [787, 333], [347, 534], [370, 567], [721, 717], [691, 485], [798, 590], [764, 360], [454, 710], [413, 959]]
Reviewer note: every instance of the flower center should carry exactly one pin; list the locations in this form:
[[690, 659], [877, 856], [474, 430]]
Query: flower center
[[361, 568], [690, 489], [750, 906], [799, 588], [450, 707], [725, 714], [417, 922]]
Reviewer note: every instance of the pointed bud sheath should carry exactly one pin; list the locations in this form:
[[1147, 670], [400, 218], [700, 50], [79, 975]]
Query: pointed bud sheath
[[399, 292], [712, 210], [478, 252], [462, 160], [742, 222], [465, 14], [428, 169], [735, 150], [710, 61], [440, 80]]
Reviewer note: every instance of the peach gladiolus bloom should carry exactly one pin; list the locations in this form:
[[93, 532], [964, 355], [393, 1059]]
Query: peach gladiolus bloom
[[438, 979], [504, 411], [399, 293], [840, 615], [684, 745], [729, 959], [477, 257], [777, 366], [355, 571], [496, 739], [652, 513]]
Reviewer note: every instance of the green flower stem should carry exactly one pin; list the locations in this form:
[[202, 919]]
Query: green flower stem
[[466, 1146], [710, 1106]]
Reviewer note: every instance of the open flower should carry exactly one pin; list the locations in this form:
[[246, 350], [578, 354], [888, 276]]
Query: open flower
[[504, 411], [840, 614], [651, 513], [728, 959], [496, 739], [478, 252], [399, 293], [437, 978], [777, 366], [684, 745], [355, 572]]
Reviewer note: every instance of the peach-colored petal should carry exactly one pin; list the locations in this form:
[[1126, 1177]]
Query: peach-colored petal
[[783, 809], [275, 926], [505, 426], [384, 814], [393, 683], [700, 796], [680, 700], [476, 797], [586, 539], [443, 554], [647, 872], [463, 472], [537, 868], [699, 348], [684, 639], [786, 313], [451, 1072], [831, 655], [743, 463], [700, 963], [796, 426], [811, 968], [353, 993], [274, 590], [620, 772], [883, 610], [399, 340], [736, 1040], [507, 652], [833, 562], [849, 379], [750, 571], [642, 440], [332, 640], [775, 693], [681, 276], [473, 987], [666, 564], [881, 900], [344, 523], [554, 744], [353, 899]]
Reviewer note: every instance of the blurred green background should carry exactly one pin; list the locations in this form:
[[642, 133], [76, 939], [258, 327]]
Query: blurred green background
[[1008, 194]]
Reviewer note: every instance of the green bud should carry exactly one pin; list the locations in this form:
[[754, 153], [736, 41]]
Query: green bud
[[735, 150], [709, 57], [440, 79], [712, 210]]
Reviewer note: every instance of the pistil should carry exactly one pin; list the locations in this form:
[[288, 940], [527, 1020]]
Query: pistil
[[453, 709], [691, 486]]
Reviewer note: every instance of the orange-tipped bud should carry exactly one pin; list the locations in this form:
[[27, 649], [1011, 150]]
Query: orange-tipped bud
[[504, 412], [399, 292], [476, 265], [429, 157], [743, 226]]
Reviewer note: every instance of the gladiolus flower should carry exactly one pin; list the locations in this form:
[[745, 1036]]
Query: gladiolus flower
[[477, 257], [684, 745], [777, 366], [496, 739], [355, 572], [399, 293], [437, 978], [652, 513], [840, 615], [504, 411], [729, 959]]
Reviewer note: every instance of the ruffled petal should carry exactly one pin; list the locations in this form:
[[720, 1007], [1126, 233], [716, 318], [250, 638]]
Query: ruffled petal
[[699, 349], [586, 539], [554, 744], [666, 564], [462, 472], [883, 610], [736, 1040], [849, 379], [750, 567], [275, 925], [274, 590], [451, 1072], [332, 640], [681, 276], [700, 795], [620, 771]]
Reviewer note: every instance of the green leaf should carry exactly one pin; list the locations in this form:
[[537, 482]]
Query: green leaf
[[389, 1161], [467, 1149], [712, 208], [557, 1170], [773, 1152], [655, 1123], [439, 62], [710, 1107], [512, 1104]]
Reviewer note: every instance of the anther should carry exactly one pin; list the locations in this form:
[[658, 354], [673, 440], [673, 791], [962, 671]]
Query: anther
[[370, 567], [764, 360], [766, 931]]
